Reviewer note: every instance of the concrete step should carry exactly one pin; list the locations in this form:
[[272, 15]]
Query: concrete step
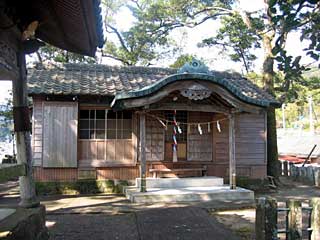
[[181, 182], [189, 194]]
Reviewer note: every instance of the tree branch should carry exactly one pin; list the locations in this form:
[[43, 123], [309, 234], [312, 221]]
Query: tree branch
[[119, 37]]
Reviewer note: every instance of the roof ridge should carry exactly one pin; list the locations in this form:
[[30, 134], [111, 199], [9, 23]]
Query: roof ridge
[[73, 66]]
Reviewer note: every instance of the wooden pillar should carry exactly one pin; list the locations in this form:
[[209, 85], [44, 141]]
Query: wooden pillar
[[266, 218], [232, 159], [294, 220], [143, 187], [315, 218], [22, 133]]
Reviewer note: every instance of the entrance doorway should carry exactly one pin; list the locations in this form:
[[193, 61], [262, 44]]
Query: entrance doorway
[[181, 117]]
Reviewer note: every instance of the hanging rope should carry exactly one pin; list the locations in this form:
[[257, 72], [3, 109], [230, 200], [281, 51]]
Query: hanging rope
[[185, 123], [175, 125]]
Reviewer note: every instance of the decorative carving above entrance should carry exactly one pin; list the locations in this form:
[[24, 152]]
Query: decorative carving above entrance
[[196, 92]]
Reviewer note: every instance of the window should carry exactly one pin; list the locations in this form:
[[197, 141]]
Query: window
[[104, 124], [181, 116]]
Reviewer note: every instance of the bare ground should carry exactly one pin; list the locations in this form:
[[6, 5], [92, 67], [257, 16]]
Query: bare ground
[[242, 221], [101, 216]]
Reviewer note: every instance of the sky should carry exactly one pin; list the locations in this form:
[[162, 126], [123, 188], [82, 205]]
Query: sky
[[213, 56]]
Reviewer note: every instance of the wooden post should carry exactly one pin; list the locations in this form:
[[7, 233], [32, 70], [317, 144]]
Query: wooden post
[[266, 219], [143, 187], [260, 218], [294, 220], [232, 160], [315, 218], [317, 177], [285, 168], [22, 133]]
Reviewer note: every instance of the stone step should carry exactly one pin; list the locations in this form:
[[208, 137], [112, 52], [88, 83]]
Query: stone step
[[181, 182], [189, 194]]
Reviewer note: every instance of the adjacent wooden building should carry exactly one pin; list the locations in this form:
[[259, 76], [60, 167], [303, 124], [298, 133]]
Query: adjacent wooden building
[[73, 25], [103, 122]]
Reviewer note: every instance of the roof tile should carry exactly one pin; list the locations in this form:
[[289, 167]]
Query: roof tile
[[90, 79]]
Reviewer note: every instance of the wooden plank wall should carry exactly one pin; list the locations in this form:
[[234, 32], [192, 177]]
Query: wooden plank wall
[[104, 153], [221, 140], [250, 139], [55, 174], [154, 140], [37, 121], [109, 152], [199, 146], [60, 127]]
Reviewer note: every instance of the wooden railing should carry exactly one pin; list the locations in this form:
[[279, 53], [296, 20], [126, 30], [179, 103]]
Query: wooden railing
[[298, 221]]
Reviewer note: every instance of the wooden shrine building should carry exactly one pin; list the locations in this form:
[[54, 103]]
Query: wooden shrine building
[[103, 122]]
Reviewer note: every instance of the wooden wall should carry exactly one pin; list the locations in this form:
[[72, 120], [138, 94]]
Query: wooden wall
[[209, 149], [199, 146], [93, 153], [154, 140], [250, 139], [104, 153], [55, 174], [37, 121], [60, 127]]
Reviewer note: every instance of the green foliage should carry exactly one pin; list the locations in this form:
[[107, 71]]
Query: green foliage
[[235, 37], [80, 187], [6, 120], [148, 39], [50, 53], [289, 16], [181, 60]]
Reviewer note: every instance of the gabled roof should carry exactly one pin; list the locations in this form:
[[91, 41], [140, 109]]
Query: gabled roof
[[131, 82]]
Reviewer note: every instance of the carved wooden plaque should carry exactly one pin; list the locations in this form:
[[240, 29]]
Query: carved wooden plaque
[[196, 92]]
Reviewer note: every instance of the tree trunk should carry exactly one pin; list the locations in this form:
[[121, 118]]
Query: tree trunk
[[273, 166]]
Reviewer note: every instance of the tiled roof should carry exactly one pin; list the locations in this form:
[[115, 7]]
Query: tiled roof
[[95, 79]]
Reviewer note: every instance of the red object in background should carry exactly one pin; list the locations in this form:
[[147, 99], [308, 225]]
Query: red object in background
[[292, 159]]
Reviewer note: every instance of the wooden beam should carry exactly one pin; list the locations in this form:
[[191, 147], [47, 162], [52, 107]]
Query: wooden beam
[[143, 187], [189, 107], [232, 159], [22, 134]]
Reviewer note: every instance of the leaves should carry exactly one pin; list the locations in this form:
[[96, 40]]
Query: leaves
[[50, 53], [235, 37], [148, 40]]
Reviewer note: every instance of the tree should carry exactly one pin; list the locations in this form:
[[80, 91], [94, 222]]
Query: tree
[[148, 39], [237, 39], [181, 60], [6, 120], [50, 53], [280, 18]]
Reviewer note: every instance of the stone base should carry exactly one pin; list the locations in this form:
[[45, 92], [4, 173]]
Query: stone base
[[25, 224], [181, 182], [189, 194]]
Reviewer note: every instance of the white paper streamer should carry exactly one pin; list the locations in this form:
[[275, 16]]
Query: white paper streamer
[[218, 127], [209, 128], [199, 129], [163, 124], [179, 129]]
